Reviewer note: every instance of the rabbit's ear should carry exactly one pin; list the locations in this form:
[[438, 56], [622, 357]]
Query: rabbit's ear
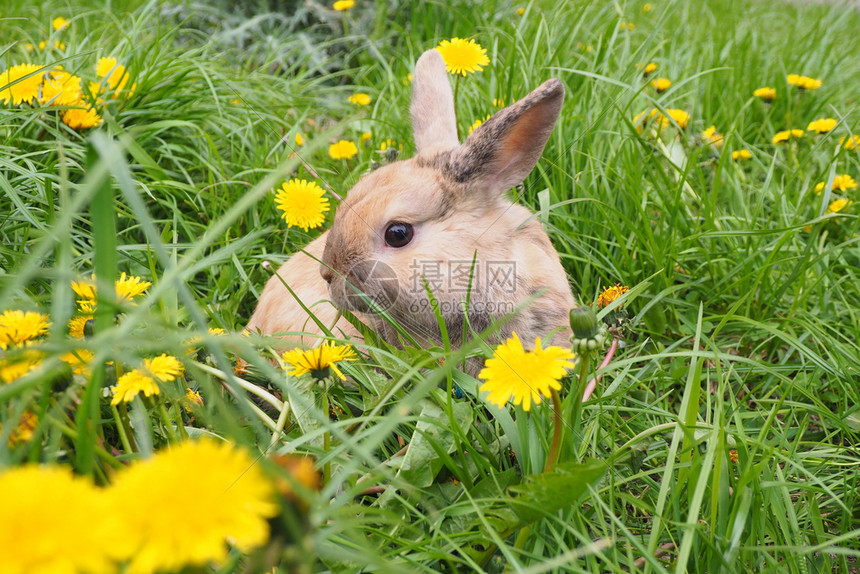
[[433, 121], [502, 151]]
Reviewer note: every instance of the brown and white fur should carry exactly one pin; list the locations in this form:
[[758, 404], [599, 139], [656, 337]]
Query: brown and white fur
[[453, 196]]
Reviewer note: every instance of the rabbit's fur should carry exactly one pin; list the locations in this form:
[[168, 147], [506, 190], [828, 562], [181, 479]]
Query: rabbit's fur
[[453, 196]]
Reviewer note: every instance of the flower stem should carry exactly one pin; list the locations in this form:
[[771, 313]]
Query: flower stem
[[578, 394], [326, 440], [456, 90], [282, 421], [592, 384], [168, 423], [121, 428], [555, 446]]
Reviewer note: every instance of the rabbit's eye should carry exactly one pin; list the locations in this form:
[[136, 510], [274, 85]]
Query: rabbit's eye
[[398, 234]]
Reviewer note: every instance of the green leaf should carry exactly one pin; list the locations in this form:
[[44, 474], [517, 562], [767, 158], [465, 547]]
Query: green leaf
[[432, 436], [853, 420], [541, 494]]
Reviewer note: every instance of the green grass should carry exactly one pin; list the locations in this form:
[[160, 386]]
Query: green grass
[[743, 315]]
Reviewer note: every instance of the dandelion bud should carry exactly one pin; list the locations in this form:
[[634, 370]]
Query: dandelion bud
[[89, 328], [588, 333], [583, 322]]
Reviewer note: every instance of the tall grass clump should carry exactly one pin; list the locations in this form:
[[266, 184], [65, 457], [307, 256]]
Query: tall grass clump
[[140, 149]]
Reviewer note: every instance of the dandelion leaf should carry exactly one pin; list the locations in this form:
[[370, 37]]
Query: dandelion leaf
[[542, 494], [432, 438], [853, 420]]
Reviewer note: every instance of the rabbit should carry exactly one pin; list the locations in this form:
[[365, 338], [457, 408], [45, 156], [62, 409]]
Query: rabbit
[[417, 224]]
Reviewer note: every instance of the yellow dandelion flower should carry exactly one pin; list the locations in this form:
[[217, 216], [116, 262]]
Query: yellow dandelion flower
[[192, 343], [463, 56], [822, 125], [360, 99], [477, 123], [785, 135], [741, 154], [766, 93], [301, 470], [525, 376], [47, 525], [641, 119], [29, 47], [681, 118], [27, 88], [61, 89], [302, 203], [803, 82], [713, 137], [80, 119], [661, 84], [95, 89], [390, 144], [163, 368], [318, 359], [366, 136], [18, 327], [14, 367], [192, 398], [231, 503], [57, 44], [498, 103], [342, 150], [343, 5], [650, 68], [112, 73], [78, 326], [838, 205], [610, 294], [78, 360], [850, 142], [521, 11], [842, 182], [646, 8], [131, 384], [59, 23], [129, 287], [24, 430], [300, 141], [85, 288]]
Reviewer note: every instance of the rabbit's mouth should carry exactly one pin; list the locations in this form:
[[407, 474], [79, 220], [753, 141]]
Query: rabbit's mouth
[[368, 287]]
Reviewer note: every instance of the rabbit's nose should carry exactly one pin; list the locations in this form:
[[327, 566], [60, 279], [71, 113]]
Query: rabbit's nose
[[327, 274]]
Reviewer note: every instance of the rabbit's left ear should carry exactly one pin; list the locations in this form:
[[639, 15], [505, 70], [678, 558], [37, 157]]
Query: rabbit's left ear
[[434, 124], [502, 151]]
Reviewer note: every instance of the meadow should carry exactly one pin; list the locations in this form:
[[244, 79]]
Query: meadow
[[705, 163]]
